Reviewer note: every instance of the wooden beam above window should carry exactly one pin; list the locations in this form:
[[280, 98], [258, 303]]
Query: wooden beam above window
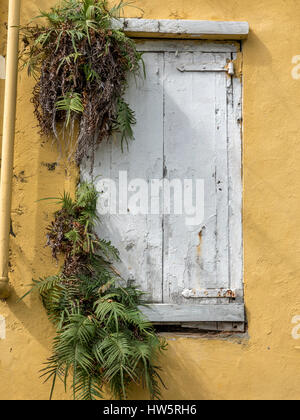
[[174, 28]]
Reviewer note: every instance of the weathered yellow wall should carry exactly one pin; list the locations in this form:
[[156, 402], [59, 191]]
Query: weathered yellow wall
[[267, 364]]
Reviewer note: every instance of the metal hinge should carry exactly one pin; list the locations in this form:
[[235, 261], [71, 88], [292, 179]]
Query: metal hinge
[[212, 293], [229, 68]]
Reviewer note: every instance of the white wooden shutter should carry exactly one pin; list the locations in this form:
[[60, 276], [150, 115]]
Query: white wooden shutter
[[188, 114]]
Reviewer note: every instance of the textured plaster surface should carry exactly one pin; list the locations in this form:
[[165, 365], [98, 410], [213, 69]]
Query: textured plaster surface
[[265, 365]]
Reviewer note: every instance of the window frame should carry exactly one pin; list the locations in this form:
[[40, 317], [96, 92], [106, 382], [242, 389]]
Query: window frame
[[230, 316]]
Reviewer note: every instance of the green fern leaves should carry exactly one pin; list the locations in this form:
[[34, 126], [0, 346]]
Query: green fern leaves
[[124, 122], [81, 64], [103, 340], [69, 103]]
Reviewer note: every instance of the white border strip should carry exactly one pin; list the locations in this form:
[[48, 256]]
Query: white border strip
[[201, 29], [2, 67], [2, 328]]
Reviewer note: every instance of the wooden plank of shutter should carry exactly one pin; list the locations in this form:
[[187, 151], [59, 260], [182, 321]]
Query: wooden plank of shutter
[[169, 45], [205, 67], [232, 312], [195, 147], [137, 236], [235, 182]]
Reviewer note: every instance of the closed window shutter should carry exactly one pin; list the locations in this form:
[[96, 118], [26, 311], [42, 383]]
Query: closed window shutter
[[188, 112]]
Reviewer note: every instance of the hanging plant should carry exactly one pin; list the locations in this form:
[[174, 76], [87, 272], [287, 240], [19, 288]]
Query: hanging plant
[[102, 337], [81, 66]]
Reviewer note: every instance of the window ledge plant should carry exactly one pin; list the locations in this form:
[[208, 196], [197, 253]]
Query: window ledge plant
[[102, 338], [81, 65]]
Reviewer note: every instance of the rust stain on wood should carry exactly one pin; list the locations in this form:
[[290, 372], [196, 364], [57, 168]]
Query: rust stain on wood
[[199, 246]]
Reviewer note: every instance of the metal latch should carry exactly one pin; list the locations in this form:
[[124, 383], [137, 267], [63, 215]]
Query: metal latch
[[229, 68]]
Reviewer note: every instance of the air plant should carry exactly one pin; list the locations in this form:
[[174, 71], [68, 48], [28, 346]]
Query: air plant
[[81, 65]]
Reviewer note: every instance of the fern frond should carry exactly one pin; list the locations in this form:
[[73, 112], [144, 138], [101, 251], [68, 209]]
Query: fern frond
[[107, 249], [109, 311], [125, 119], [102, 336], [43, 285], [88, 387], [70, 102]]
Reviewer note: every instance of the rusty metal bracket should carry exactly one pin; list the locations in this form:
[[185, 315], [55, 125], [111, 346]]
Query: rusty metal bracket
[[229, 68], [212, 293]]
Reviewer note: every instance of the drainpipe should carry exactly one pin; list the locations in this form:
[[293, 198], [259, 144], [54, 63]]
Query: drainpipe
[[7, 156]]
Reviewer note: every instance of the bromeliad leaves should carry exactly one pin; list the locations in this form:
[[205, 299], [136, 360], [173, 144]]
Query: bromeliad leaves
[[103, 340], [81, 66]]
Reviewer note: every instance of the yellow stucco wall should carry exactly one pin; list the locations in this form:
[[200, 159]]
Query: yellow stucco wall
[[267, 364]]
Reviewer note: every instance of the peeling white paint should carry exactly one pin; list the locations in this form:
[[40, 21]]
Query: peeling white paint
[[212, 293], [193, 28], [2, 67], [2, 328], [232, 312]]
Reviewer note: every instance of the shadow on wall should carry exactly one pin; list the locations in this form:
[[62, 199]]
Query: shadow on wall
[[36, 176], [175, 363]]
